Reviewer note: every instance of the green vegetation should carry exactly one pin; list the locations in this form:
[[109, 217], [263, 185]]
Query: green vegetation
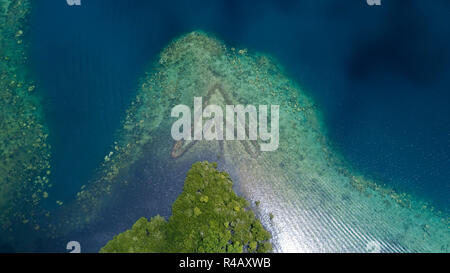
[[208, 217]]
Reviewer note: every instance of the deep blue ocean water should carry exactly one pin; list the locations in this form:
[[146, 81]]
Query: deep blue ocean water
[[380, 75]]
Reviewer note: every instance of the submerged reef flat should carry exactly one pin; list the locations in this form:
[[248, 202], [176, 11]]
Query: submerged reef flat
[[24, 153], [208, 217], [307, 197]]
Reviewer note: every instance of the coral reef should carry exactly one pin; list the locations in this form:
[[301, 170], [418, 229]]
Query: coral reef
[[320, 203], [24, 152]]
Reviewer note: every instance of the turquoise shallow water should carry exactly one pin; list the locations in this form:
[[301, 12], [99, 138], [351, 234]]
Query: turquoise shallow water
[[320, 203], [366, 131], [380, 85]]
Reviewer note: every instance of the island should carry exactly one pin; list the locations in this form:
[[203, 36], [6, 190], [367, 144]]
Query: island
[[207, 217]]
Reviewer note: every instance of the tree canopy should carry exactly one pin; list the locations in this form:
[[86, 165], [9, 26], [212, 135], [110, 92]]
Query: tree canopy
[[207, 217]]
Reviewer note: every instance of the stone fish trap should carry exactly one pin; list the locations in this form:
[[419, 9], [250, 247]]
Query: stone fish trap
[[182, 146]]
